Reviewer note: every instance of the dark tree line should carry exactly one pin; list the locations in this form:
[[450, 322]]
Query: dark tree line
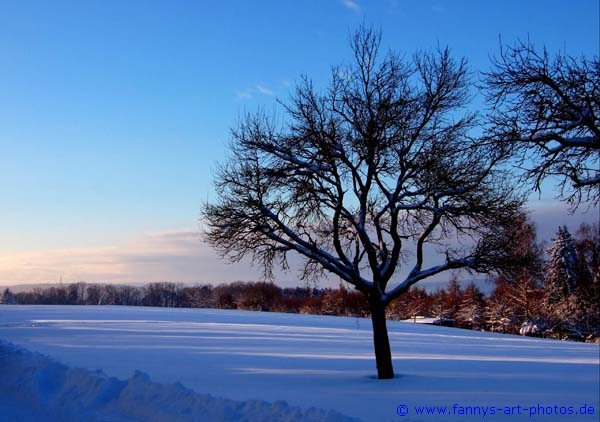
[[256, 296]]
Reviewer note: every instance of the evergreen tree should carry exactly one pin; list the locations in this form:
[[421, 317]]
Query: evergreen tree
[[8, 298], [587, 244], [561, 271], [586, 301], [571, 286]]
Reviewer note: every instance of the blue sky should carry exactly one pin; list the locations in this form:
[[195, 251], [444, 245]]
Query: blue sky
[[113, 113]]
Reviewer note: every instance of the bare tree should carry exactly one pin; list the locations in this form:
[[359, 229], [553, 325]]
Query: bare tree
[[548, 111], [360, 178], [525, 256]]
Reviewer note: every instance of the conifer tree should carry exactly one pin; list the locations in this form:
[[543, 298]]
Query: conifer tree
[[8, 298], [561, 271]]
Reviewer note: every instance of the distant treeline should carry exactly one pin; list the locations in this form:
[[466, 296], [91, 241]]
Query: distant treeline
[[511, 308], [252, 296]]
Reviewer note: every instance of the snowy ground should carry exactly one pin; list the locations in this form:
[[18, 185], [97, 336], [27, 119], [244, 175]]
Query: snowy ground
[[314, 361], [36, 388]]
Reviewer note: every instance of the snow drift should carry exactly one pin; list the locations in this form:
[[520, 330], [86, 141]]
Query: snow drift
[[34, 387]]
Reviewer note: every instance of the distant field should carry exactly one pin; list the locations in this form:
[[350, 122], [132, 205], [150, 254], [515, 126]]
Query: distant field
[[307, 360]]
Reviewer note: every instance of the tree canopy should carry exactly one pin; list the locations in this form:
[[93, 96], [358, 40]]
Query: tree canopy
[[360, 177]]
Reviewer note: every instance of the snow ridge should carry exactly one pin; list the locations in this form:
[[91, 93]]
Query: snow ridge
[[34, 387]]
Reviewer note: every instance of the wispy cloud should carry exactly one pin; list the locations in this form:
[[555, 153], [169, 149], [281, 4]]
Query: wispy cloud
[[352, 5], [264, 90], [251, 92], [178, 256], [175, 256]]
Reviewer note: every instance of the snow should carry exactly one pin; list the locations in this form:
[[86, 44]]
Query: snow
[[421, 320], [35, 388], [306, 360], [530, 327]]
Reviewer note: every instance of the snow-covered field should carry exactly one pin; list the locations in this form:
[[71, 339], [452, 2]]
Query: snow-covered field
[[307, 361]]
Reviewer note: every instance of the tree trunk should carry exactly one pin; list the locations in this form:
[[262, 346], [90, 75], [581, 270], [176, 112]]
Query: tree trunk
[[383, 354]]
